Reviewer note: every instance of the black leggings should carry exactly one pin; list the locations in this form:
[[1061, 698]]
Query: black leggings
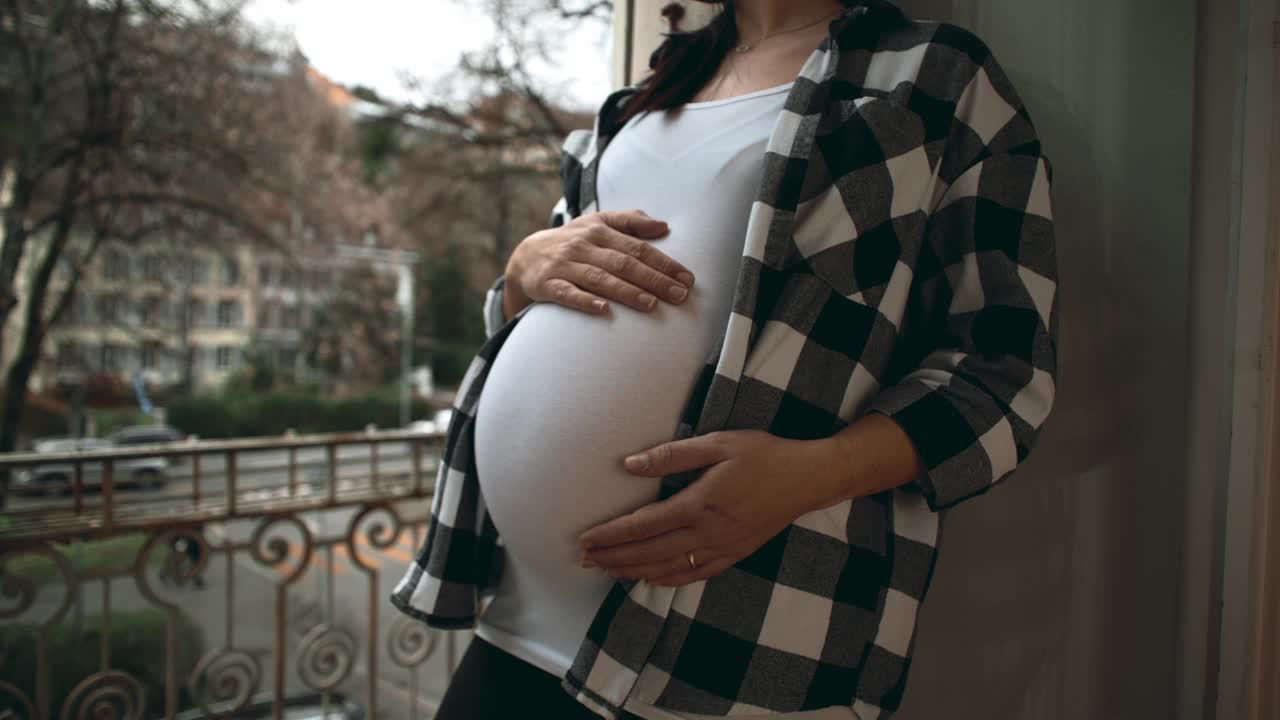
[[492, 684]]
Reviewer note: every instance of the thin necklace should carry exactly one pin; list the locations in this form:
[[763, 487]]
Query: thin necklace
[[744, 47]]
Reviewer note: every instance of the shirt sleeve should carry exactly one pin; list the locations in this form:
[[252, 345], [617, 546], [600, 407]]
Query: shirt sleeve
[[493, 315], [983, 317]]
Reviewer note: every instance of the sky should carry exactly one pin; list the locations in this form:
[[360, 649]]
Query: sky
[[375, 42]]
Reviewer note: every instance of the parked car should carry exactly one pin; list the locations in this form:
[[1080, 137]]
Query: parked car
[[151, 435], [57, 477], [146, 435], [438, 423]]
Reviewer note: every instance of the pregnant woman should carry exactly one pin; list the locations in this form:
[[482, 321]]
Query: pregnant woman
[[827, 273]]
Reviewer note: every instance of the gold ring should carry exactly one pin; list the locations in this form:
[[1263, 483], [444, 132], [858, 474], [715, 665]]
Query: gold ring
[[692, 564]]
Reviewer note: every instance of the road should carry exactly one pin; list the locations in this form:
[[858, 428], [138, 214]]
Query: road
[[258, 473]]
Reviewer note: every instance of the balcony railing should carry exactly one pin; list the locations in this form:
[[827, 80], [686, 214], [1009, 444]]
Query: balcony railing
[[242, 577]]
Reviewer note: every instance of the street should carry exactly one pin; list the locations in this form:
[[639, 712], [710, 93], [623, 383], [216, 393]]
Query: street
[[260, 474]]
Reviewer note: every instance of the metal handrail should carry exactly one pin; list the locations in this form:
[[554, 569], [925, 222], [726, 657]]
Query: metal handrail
[[110, 515], [202, 447], [252, 535]]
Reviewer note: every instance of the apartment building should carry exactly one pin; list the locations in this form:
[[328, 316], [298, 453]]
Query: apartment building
[[166, 311]]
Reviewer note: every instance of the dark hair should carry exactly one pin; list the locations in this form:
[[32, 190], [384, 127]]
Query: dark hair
[[685, 61]]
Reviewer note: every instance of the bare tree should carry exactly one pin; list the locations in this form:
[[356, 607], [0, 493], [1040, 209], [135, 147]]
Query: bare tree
[[108, 107], [355, 333], [488, 172]]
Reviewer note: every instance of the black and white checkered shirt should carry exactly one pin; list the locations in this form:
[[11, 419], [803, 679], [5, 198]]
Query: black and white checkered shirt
[[899, 258]]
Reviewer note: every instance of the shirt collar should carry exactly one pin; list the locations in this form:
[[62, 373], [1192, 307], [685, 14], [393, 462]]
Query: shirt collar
[[880, 13]]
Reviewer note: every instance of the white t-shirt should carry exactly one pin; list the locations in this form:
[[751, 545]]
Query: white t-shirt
[[571, 393]]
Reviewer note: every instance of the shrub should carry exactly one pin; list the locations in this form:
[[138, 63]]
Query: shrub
[[113, 552], [303, 410], [108, 420], [273, 413], [208, 416], [137, 647]]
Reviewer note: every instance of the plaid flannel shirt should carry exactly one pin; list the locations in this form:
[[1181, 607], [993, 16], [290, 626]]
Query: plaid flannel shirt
[[899, 258]]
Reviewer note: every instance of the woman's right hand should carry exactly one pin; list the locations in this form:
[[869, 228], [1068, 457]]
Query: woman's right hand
[[592, 259]]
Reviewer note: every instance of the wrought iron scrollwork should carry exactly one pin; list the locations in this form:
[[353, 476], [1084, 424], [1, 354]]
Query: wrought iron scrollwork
[[110, 695], [20, 591], [224, 681], [326, 656], [273, 550], [12, 700], [381, 525], [410, 642]]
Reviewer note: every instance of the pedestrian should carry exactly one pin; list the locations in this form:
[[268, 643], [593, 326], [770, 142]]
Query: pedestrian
[[867, 335], [186, 546]]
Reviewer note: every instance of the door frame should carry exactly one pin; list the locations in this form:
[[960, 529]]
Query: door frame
[[1249, 658]]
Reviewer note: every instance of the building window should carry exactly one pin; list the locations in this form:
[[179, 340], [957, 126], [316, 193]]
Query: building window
[[150, 356], [115, 265], [184, 269], [110, 309], [112, 359], [128, 311], [288, 358], [68, 357], [200, 271], [223, 356], [81, 309], [288, 276], [196, 313], [230, 272], [265, 275], [229, 313], [153, 268], [154, 311], [191, 270], [290, 317]]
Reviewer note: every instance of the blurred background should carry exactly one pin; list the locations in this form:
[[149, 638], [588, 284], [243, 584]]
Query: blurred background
[[244, 250]]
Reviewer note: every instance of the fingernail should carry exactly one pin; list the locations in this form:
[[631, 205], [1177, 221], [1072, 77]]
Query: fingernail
[[586, 562], [637, 462], [678, 293], [685, 278]]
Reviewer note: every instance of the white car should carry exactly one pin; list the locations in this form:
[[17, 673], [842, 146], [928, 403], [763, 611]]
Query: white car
[[56, 477], [439, 423]]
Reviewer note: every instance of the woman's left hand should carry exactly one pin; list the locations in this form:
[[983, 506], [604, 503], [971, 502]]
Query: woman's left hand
[[755, 485]]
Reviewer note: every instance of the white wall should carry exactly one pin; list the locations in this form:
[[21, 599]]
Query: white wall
[[1085, 587]]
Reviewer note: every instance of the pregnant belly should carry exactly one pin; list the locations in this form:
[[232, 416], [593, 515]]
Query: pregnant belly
[[567, 397]]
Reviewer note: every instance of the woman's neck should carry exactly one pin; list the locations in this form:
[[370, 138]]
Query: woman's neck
[[760, 18]]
